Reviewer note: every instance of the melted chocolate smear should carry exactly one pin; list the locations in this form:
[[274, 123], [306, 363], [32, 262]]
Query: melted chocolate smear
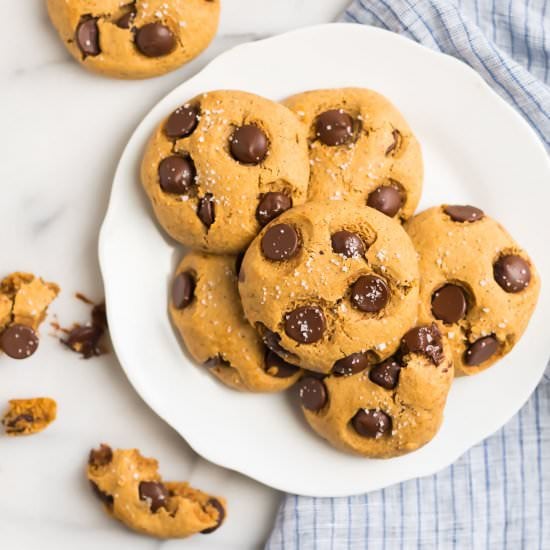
[[86, 339]]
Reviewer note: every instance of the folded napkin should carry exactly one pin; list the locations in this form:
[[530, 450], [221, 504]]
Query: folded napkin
[[496, 496]]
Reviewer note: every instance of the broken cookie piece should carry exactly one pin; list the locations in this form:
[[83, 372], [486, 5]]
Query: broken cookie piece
[[30, 297], [29, 416], [133, 492], [24, 300]]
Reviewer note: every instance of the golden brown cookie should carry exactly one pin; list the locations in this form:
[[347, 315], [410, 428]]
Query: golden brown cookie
[[206, 309], [388, 409], [476, 282], [361, 149], [223, 165], [24, 300], [134, 39], [331, 286], [133, 492], [29, 416]]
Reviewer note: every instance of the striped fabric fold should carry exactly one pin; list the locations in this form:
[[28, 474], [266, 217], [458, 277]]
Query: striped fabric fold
[[497, 495], [506, 42]]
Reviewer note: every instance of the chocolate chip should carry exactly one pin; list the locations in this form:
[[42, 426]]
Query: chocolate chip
[[334, 127], [101, 456], [512, 273], [370, 293], [216, 361], [462, 214], [348, 244], [371, 423], [182, 122], [176, 174], [248, 144], [19, 341], [480, 351], [387, 199], [313, 394], [155, 40], [271, 205], [212, 362], [99, 316], [108, 500], [425, 339], [206, 210], [221, 515], [272, 341], [280, 242], [276, 366], [155, 493], [87, 37], [125, 21], [183, 289], [449, 303], [352, 364], [13, 423], [85, 340], [397, 139], [386, 374], [305, 324]]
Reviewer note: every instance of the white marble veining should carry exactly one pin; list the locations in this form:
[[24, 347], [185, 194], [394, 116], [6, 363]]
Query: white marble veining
[[63, 131]]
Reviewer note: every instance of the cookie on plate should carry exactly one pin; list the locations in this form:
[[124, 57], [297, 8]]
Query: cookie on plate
[[361, 149], [223, 165], [206, 309], [388, 409], [133, 492], [331, 286], [476, 282], [134, 39]]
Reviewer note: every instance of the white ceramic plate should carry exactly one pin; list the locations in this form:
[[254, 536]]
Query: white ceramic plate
[[477, 150]]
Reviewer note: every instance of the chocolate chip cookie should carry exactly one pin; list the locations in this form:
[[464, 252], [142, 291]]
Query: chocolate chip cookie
[[29, 416], [331, 286], [206, 309], [133, 492], [24, 300], [477, 283], [134, 39], [361, 149], [223, 165], [387, 409]]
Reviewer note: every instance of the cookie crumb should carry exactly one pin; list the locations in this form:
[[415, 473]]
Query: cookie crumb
[[29, 416], [86, 339]]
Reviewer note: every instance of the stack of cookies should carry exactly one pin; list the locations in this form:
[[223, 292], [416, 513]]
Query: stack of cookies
[[308, 266]]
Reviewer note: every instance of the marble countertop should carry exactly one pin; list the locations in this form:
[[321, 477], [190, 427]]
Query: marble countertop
[[63, 132]]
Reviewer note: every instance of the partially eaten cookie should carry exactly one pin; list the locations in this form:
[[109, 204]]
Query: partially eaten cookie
[[133, 492]]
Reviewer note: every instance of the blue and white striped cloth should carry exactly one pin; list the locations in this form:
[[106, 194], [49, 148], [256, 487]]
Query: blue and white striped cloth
[[497, 496]]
